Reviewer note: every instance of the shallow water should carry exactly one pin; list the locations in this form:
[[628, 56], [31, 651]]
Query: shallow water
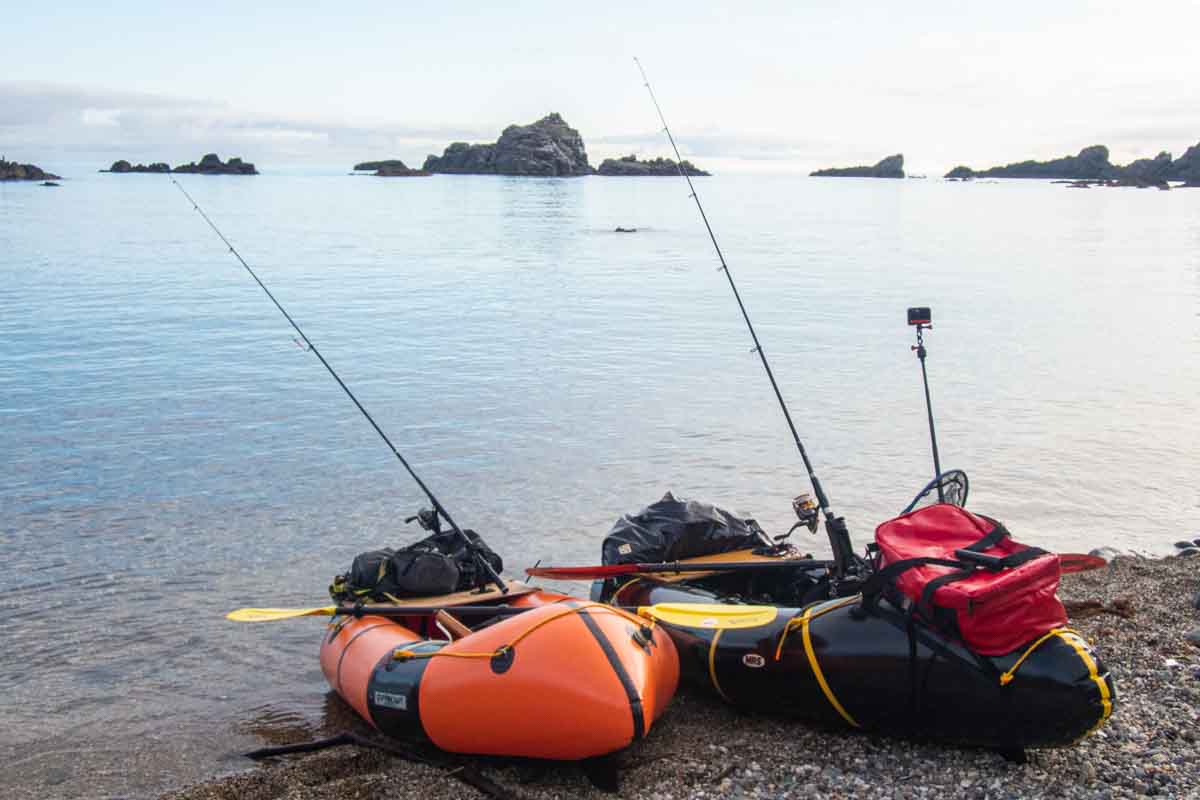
[[170, 453]]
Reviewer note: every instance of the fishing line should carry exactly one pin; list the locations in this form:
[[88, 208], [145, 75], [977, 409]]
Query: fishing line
[[835, 526], [496, 579]]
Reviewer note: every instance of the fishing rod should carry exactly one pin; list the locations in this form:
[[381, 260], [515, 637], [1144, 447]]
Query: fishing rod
[[437, 505], [835, 526]]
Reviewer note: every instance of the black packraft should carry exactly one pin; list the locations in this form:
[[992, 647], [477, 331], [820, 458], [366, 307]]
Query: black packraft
[[438, 564]]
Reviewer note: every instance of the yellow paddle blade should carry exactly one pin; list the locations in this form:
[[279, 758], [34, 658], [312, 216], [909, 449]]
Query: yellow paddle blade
[[272, 614], [711, 615]]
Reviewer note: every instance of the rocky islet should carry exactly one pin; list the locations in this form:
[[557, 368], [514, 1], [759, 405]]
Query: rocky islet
[[12, 171], [122, 166], [390, 168], [547, 148], [630, 166], [210, 164], [890, 167], [1092, 166]]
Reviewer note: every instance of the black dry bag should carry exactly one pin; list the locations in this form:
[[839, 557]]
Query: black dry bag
[[437, 564]]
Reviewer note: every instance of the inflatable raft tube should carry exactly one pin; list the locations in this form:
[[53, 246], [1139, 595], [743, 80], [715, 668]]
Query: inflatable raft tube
[[832, 663], [566, 680]]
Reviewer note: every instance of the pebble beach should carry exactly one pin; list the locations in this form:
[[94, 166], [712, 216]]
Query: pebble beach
[[1140, 614]]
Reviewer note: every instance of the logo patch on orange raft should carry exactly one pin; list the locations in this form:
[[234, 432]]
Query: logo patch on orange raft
[[390, 700], [754, 660]]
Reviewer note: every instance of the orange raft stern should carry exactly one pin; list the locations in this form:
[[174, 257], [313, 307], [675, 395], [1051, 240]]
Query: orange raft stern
[[566, 680]]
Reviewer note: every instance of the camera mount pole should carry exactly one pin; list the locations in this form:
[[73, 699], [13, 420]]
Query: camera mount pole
[[920, 348]]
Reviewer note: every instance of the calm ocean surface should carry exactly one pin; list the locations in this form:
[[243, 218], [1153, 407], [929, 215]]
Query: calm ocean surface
[[169, 453]]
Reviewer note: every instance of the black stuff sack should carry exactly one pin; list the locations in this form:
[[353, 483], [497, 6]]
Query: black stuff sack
[[438, 564], [674, 529]]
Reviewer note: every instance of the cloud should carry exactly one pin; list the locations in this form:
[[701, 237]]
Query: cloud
[[712, 144], [75, 120], [40, 121], [44, 123], [35, 103]]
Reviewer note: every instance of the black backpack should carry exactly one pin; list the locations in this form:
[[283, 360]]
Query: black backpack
[[438, 564]]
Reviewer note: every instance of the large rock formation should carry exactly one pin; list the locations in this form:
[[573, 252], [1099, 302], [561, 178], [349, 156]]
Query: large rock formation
[[391, 168], [890, 167], [548, 147], [12, 171], [629, 165], [211, 165], [1187, 167], [1092, 165], [123, 166]]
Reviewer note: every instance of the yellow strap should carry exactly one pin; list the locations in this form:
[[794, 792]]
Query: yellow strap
[[1078, 643], [816, 668], [406, 654], [796, 622], [1007, 677], [712, 666]]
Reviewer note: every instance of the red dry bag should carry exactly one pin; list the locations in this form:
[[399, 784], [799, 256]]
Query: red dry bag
[[963, 567]]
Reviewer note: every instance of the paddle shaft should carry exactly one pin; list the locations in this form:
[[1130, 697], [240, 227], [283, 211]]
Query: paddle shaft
[[617, 570], [1071, 562], [419, 611]]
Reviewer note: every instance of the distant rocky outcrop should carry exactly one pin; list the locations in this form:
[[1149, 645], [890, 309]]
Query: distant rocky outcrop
[[1092, 165], [211, 165], [549, 147], [1148, 169], [375, 166], [1186, 168], [123, 166], [890, 167], [12, 171], [392, 168], [629, 165]]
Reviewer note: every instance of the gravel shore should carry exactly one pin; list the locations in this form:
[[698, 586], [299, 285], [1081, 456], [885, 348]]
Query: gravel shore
[[703, 749]]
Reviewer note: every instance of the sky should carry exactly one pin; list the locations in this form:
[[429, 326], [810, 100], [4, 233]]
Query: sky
[[768, 87]]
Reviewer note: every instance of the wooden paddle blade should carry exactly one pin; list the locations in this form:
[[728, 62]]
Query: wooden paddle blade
[[273, 614], [1079, 562], [714, 616]]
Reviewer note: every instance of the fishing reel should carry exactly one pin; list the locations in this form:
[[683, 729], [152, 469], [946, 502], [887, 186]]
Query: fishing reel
[[807, 512], [808, 515], [427, 518]]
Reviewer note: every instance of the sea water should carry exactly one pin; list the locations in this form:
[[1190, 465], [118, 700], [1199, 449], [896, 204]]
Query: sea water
[[170, 450]]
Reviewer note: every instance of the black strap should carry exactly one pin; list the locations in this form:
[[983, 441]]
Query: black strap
[[926, 601], [998, 534], [886, 576]]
